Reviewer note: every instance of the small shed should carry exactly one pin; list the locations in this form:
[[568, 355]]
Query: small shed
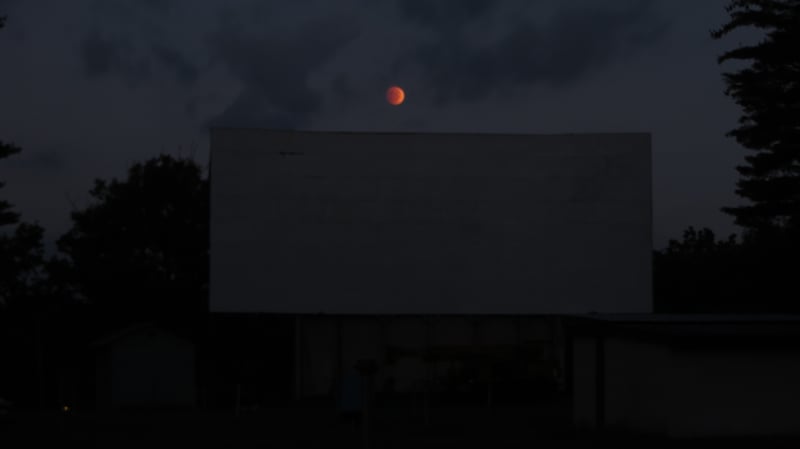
[[686, 375], [143, 366]]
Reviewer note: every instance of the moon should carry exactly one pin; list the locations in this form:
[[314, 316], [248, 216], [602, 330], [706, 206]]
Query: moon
[[395, 95]]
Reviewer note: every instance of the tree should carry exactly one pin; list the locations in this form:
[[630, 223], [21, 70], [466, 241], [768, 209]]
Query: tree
[[21, 264], [699, 274], [21, 278], [140, 251], [7, 215], [768, 91], [21, 251]]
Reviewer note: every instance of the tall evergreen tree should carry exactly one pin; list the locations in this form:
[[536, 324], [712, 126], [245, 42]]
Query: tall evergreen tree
[[768, 91]]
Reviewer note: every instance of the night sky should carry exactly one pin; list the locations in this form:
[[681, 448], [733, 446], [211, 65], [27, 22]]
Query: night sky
[[89, 87]]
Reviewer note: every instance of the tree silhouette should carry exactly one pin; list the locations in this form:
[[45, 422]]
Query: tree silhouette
[[21, 251], [769, 94], [140, 251], [753, 275], [699, 274], [7, 216]]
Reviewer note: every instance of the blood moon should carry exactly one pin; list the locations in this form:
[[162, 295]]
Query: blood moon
[[395, 95]]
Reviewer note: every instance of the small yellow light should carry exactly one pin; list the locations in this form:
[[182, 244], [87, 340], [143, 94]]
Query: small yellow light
[[66, 408]]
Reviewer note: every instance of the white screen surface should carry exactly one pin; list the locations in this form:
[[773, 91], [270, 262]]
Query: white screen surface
[[370, 223]]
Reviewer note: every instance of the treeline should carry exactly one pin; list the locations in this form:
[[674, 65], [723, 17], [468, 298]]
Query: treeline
[[138, 253], [700, 274]]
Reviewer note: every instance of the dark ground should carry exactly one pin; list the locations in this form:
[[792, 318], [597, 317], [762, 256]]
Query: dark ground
[[319, 427]]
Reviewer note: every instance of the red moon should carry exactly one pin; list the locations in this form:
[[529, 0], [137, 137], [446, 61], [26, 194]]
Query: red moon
[[395, 95]]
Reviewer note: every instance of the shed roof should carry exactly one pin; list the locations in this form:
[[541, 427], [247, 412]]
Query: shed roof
[[692, 329], [695, 318], [133, 329]]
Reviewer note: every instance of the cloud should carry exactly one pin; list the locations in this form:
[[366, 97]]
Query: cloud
[[104, 55], [8, 5], [252, 109], [137, 41], [162, 6], [184, 70], [13, 30], [269, 50], [459, 50], [274, 69], [569, 46], [445, 13], [49, 159], [115, 56]]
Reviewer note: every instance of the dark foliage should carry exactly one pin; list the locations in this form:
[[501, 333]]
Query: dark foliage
[[693, 274], [21, 251], [768, 91], [7, 216], [140, 251], [700, 274]]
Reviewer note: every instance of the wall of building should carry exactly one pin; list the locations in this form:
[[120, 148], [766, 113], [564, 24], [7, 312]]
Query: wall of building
[[685, 391], [637, 380], [150, 370], [736, 392], [358, 223], [330, 347], [584, 383]]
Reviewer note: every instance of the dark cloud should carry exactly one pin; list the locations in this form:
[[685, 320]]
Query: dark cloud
[[45, 159], [567, 48], [13, 30], [157, 5], [273, 61], [251, 109], [104, 55], [49, 159], [132, 40], [445, 14], [275, 69], [185, 71], [116, 56], [190, 107], [341, 87], [270, 59], [7, 6]]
